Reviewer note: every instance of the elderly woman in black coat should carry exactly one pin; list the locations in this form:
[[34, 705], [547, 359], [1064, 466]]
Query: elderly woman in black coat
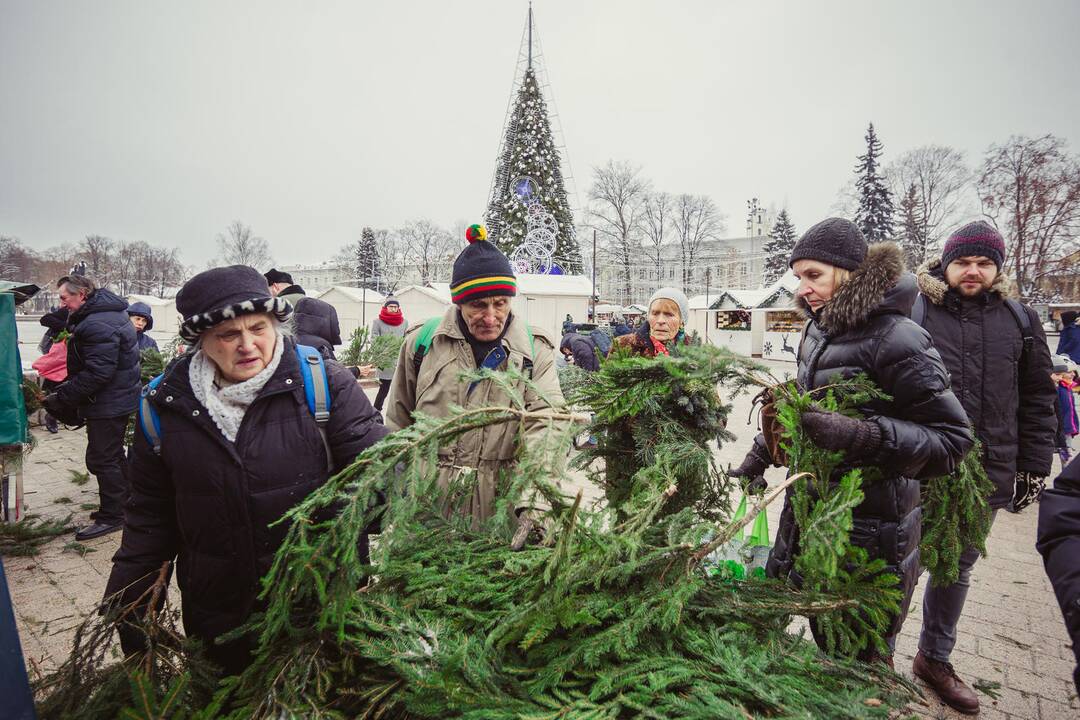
[[237, 446], [857, 300]]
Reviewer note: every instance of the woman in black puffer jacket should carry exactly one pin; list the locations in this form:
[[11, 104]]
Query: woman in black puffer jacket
[[238, 448], [857, 300]]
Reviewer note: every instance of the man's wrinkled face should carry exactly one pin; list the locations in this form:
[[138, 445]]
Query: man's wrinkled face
[[970, 276], [241, 347], [486, 317], [139, 322], [72, 301]]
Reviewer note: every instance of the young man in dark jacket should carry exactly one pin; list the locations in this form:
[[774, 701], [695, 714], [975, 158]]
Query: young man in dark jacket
[[143, 320], [102, 386], [315, 320], [1005, 389]]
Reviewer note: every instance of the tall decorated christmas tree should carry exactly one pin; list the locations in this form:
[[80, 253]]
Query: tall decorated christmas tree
[[529, 215]]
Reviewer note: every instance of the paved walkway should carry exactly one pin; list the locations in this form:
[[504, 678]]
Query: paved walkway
[[1011, 633]]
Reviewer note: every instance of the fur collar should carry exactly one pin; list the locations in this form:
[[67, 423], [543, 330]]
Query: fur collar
[[861, 295], [932, 282]]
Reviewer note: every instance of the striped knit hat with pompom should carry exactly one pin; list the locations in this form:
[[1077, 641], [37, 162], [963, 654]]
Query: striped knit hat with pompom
[[481, 270]]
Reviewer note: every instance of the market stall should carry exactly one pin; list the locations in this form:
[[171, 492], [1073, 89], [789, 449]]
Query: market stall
[[782, 334]]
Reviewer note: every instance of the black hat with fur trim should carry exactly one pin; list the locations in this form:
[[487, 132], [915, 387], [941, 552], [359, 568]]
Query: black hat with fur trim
[[223, 293]]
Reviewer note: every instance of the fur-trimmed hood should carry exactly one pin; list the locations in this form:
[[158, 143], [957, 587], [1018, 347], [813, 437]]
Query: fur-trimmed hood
[[932, 283], [881, 284]]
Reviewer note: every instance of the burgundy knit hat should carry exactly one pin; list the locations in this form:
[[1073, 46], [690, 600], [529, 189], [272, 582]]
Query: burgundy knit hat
[[974, 239]]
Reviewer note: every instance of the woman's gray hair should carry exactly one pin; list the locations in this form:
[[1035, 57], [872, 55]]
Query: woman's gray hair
[[76, 284]]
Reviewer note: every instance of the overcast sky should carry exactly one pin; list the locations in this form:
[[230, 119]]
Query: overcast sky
[[164, 121]]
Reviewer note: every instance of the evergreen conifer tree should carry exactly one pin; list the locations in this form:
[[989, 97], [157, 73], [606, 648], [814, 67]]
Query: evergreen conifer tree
[[778, 247], [367, 260], [913, 240], [529, 151], [875, 214]]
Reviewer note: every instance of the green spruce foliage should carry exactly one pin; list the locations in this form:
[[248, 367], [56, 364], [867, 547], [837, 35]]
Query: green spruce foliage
[[823, 500], [956, 516], [778, 247], [529, 151], [875, 213], [367, 271], [381, 352], [613, 614]]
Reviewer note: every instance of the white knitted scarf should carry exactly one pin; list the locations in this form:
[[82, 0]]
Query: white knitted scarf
[[228, 404]]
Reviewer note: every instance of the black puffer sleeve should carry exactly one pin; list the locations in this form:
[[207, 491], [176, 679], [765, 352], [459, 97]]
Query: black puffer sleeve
[[354, 424], [924, 430], [1036, 416], [1059, 544]]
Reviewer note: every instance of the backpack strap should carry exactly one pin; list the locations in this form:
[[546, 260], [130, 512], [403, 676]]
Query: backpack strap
[[1023, 321], [427, 333], [423, 342], [148, 418], [918, 310], [317, 392]]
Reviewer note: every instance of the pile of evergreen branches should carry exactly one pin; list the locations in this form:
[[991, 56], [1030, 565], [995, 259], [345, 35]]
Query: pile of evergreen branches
[[613, 615], [362, 349]]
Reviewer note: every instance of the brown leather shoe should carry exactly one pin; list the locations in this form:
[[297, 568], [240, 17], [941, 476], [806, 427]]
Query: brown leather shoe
[[948, 686]]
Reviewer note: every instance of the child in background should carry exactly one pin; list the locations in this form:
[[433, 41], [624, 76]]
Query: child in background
[[1064, 376]]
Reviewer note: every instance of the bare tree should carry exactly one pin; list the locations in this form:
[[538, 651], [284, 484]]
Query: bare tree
[[392, 259], [429, 248], [1030, 189], [615, 205], [97, 251], [656, 218], [695, 221], [238, 246], [942, 181], [17, 262]]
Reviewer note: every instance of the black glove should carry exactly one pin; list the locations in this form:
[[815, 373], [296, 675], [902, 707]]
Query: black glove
[[63, 412], [1027, 488], [859, 439], [753, 466]]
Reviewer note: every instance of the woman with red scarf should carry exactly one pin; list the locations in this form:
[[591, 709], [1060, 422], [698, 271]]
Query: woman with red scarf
[[389, 322], [664, 331]]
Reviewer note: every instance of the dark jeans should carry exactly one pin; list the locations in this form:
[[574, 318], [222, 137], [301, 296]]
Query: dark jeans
[[380, 397], [942, 607], [105, 459]]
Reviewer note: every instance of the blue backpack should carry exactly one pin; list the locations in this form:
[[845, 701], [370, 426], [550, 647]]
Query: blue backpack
[[316, 389]]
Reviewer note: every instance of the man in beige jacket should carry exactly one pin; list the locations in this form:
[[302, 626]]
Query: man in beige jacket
[[479, 330]]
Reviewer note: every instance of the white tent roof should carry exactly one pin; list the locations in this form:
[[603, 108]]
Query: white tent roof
[[357, 294], [575, 285], [743, 298], [150, 300], [431, 292], [440, 287], [608, 308]]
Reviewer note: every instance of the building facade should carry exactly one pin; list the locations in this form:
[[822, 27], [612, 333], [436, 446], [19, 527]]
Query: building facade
[[728, 264]]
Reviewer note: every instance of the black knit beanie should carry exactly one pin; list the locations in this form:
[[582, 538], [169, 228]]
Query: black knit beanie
[[223, 293], [835, 241], [273, 275], [481, 270], [978, 238]]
